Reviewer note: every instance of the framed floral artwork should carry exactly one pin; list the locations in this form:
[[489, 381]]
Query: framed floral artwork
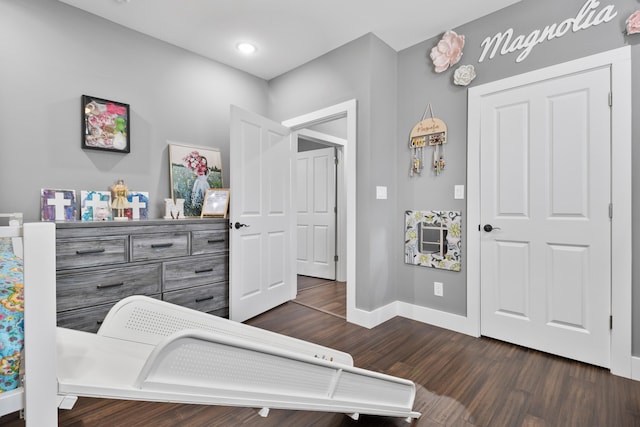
[[105, 125], [193, 170]]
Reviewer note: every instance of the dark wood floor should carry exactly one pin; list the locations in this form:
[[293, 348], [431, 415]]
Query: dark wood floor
[[327, 296], [461, 381]]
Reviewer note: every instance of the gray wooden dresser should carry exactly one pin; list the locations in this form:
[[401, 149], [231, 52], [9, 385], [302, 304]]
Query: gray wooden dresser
[[180, 261]]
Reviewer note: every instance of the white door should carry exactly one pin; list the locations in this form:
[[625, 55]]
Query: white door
[[316, 201], [545, 190], [262, 235]]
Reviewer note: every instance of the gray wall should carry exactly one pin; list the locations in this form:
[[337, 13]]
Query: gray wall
[[51, 54], [418, 84], [364, 69]]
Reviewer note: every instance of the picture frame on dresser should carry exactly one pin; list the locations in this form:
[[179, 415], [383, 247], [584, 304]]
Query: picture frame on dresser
[[192, 171], [105, 125], [216, 202]]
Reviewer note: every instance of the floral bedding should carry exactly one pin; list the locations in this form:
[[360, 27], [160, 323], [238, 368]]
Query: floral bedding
[[11, 316]]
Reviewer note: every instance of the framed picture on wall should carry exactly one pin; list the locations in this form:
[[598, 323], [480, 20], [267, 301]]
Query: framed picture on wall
[[193, 170], [105, 125]]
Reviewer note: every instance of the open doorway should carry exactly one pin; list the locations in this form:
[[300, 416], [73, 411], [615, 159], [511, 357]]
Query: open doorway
[[347, 217], [320, 203]]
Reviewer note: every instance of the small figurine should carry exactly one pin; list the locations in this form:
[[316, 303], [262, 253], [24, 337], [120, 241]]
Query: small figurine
[[119, 200]]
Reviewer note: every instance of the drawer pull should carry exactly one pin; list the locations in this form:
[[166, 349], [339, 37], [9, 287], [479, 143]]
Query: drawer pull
[[204, 299], [206, 270], [212, 241], [111, 285], [90, 251], [161, 245]]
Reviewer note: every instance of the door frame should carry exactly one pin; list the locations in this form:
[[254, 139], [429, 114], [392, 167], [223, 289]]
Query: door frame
[[621, 195], [348, 110], [341, 217]]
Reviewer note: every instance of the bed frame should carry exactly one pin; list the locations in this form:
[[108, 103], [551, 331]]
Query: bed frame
[[152, 350], [38, 396]]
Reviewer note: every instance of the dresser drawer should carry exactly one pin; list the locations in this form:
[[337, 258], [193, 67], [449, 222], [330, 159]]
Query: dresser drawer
[[87, 319], [195, 271], [80, 253], [209, 242], [208, 298], [75, 290], [159, 245]]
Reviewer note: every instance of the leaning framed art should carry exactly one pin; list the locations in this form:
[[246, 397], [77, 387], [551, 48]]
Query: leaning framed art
[[216, 202], [193, 170]]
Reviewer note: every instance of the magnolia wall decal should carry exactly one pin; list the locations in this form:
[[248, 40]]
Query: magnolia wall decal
[[504, 43]]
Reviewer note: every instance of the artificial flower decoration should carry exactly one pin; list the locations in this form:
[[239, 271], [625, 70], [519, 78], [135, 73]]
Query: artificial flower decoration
[[448, 51], [464, 75], [633, 23]]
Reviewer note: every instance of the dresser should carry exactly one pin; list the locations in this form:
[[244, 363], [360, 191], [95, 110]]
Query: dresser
[[185, 262]]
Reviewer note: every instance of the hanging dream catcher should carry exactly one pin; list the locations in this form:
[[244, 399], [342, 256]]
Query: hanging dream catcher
[[430, 132]]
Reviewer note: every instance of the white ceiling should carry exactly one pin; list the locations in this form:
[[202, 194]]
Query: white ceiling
[[288, 33]]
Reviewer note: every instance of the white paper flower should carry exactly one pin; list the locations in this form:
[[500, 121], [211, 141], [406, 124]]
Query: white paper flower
[[448, 51], [464, 75], [633, 23]]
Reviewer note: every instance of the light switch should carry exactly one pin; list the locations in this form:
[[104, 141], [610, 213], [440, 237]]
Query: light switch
[[381, 192], [458, 192]]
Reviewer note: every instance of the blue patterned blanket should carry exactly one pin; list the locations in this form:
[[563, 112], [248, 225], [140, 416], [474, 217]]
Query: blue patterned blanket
[[11, 316]]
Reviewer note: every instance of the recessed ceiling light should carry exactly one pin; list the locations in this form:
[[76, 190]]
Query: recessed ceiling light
[[246, 48]]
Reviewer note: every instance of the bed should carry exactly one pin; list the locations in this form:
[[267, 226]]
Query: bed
[[152, 350]]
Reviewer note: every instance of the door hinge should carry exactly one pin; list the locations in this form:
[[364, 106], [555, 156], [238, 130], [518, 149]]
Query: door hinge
[[335, 160], [610, 99], [335, 258], [610, 210], [610, 322]]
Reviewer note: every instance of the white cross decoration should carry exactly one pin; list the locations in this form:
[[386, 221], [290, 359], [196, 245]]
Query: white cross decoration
[[136, 205], [94, 202], [59, 202]]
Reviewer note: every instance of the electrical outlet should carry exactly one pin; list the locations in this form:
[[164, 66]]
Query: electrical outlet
[[438, 289]]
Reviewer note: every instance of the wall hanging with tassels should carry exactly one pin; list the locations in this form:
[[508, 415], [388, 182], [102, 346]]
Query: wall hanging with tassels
[[432, 132]]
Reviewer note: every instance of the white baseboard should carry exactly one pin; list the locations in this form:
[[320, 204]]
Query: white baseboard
[[635, 368], [371, 319], [441, 319]]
